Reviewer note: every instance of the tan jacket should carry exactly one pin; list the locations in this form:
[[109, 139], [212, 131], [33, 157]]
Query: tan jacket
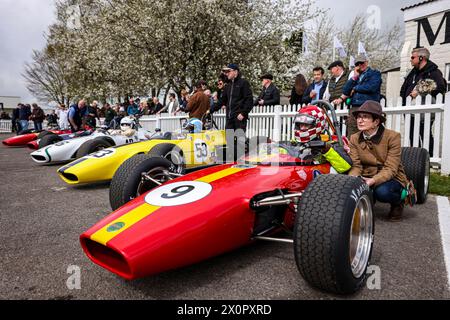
[[379, 157]]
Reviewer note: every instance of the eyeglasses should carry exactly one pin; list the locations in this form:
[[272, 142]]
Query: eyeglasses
[[358, 64], [363, 116], [413, 57]]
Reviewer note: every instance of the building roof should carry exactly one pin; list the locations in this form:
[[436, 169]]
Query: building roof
[[391, 70], [417, 4]]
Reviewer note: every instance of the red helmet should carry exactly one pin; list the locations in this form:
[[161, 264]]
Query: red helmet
[[312, 116]]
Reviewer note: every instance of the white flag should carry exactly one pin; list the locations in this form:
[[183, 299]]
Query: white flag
[[361, 49], [352, 62], [338, 45], [305, 44]]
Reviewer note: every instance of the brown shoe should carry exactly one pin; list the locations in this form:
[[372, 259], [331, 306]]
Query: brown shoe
[[396, 213]]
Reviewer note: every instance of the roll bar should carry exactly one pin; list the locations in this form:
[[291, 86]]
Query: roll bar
[[328, 106]]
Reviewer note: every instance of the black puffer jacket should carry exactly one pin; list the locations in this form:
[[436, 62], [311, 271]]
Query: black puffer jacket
[[238, 98], [429, 71]]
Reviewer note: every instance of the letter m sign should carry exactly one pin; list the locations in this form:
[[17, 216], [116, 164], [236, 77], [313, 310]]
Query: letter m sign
[[431, 36]]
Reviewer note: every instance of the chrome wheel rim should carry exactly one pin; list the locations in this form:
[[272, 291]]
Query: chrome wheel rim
[[177, 161], [361, 236], [427, 178], [161, 174]]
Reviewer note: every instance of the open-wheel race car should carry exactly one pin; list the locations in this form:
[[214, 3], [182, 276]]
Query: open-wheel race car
[[183, 148], [277, 189], [76, 147], [53, 137], [28, 136]]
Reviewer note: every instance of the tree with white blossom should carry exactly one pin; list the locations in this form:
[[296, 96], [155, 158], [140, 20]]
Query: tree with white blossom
[[121, 48]]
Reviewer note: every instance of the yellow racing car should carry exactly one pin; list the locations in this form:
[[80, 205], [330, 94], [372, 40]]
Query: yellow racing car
[[185, 150]]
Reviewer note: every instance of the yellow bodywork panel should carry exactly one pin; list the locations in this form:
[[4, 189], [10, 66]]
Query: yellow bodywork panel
[[198, 149]]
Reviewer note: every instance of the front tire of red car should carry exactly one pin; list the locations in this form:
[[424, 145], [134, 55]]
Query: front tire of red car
[[128, 182], [333, 233]]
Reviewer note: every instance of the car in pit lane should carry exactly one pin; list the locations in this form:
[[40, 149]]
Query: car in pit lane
[[277, 191], [67, 150]]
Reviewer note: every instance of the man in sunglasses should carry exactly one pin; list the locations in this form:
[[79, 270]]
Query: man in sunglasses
[[363, 86], [238, 101], [423, 69], [237, 98]]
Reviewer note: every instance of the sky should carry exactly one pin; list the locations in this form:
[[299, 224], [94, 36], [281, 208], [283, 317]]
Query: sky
[[23, 24]]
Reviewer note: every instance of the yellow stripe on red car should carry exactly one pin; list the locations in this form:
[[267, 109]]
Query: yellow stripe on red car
[[135, 215], [123, 223], [219, 175]]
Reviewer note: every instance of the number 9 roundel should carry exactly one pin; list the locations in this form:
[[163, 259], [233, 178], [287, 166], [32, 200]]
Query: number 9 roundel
[[178, 193]]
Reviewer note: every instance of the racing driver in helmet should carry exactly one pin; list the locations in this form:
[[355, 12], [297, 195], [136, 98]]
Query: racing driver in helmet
[[310, 130]]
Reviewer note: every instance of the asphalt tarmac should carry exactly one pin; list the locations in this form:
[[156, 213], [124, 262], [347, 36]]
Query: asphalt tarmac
[[41, 219]]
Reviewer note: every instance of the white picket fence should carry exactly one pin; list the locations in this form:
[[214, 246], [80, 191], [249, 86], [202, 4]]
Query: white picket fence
[[5, 126], [276, 122]]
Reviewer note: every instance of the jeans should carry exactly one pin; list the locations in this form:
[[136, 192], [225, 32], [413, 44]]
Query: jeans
[[389, 192], [37, 126], [23, 125]]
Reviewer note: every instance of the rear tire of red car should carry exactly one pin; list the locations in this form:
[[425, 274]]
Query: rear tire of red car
[[170, 152], [333, 233], [43, 133], [26, 131], [49, 139], [128, 182], [91, 146], [416, 162]]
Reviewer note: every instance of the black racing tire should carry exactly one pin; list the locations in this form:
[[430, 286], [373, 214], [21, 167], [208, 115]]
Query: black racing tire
[[326, 241], [43, 133], [172, 153], [49, 139], [93, 145], [416, 162], [26, 131], [127, 182]]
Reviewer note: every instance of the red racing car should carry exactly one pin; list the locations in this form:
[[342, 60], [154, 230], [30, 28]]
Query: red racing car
[[278, 189], [23, 139]]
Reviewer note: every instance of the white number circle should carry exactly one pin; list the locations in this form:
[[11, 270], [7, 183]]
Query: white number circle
[[178, 193]]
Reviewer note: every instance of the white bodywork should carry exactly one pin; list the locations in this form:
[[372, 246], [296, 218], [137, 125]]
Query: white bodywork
[[66, 150]]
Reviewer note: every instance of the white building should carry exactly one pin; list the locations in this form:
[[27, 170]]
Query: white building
[[8, 103], [427, 24]]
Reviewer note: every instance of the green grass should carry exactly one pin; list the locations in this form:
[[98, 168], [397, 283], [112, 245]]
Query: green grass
[[439, 185]]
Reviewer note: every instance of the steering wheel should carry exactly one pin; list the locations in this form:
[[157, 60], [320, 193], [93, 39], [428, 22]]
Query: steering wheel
[[209, 117]]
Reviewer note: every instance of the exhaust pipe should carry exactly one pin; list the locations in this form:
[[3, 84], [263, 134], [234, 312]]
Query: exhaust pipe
[[277, 200]]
